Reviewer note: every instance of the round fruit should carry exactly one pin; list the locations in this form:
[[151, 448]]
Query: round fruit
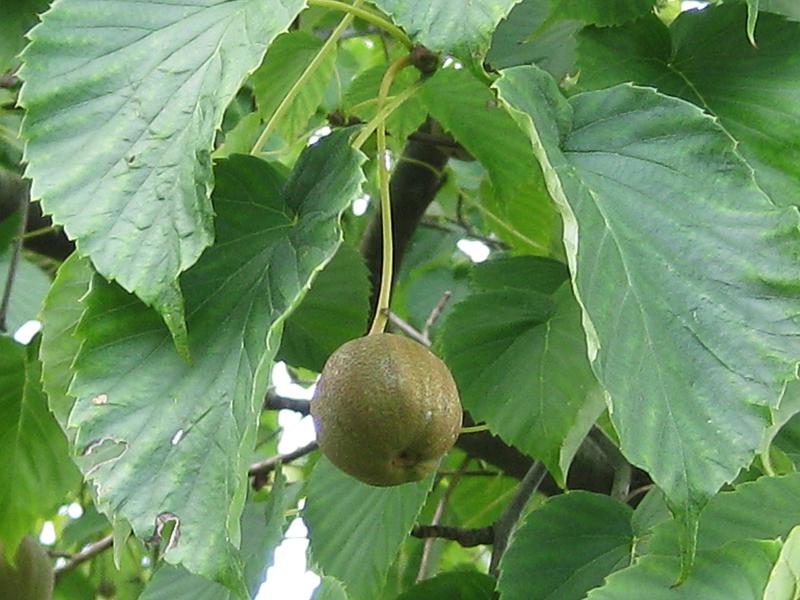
[[386, 409]]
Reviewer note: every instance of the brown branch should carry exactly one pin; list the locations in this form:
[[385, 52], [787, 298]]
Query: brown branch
[[408, 329], [273, 401], [88, 553], [441, 507], [436, 140], [415, 181], [465, 537], [259, 471], [507, 521]]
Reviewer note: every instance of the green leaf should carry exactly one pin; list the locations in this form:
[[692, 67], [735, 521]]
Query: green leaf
[[705, 59], [27, 291], [335, 310], [122, 104], [492, 136], [35, 473], [610, 12], [31, 575], [361, 100], [356, 529], [140, 404], [60, 315], [460, 27], [739, 571], [18, 17], [329, 589], [288, 57], [262, 529], [528, 37], [784, 581], [566, 548], [460, 585], [763, 509], [788, 408], [520, 360], [692, 342]]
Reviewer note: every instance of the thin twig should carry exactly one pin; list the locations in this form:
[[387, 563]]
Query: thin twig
[[408, 329], [435, 314], [15, 254], [441, 507], [88, 553], [275, 402], [259, 471], [467, 538], [506, 522]]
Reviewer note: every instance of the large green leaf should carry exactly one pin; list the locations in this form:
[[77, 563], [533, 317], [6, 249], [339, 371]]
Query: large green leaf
[[519, 357], [60, 315], [706, 58], [262, 528], [492, 136], [18, 17], [35, 472], [460, 27], [693, 341], [356, 529], [161, 438], [335, 310], [122, 101], [763, 509], [27, 291], [463, 586], [738, 571], [528, 37], [610, 12], [30, 577], [285, 62], [566, 548]]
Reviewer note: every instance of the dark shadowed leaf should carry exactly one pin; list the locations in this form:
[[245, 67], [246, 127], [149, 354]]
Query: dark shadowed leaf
[[356, 529], [35, 471], [460, 586], [518, 354], [30, 577], [566, 548], [335, 310]]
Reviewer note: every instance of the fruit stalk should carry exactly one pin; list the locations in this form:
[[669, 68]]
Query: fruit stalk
[[382, 310]]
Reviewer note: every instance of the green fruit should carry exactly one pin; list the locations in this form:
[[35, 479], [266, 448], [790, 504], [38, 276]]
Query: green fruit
[[386, 409]]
